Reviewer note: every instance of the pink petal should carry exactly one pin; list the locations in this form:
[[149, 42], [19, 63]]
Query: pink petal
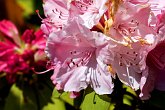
[[90, 12], [76, 65], [8, 28], [56, 13], [28, 36], [147, 83]]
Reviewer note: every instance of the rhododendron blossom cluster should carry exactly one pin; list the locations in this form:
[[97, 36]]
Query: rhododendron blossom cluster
[[20, 55], [90, 42]]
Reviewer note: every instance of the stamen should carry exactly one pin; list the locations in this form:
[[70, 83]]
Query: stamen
[[129, 79], [115, 5], [108, 24], [99, 26], [111, 70], [37, 11], [42, 71], [143, 41]]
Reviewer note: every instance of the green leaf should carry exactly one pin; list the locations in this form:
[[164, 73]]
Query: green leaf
[[24, 96], [56, 104], [127, 100], [16, 100], [129, 96], [92, 101], [27, 6], [128, 89], [55, 93], [64, 96]]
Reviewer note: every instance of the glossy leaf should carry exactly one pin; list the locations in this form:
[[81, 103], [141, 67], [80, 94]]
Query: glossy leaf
[[129, 96], [55, 104], [64, 96], [93, 102]]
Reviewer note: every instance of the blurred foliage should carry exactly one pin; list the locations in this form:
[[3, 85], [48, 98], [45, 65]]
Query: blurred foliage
[[22, 13], [32, 94], [27, 7]]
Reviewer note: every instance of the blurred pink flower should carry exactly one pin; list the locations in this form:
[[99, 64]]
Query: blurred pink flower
[[8, 28], [156, 61], [18, 57]]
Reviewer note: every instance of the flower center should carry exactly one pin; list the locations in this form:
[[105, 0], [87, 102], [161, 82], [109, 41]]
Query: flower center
[[128, 58]]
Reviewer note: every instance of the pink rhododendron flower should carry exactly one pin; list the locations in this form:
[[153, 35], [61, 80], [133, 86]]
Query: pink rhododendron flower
[[59, 12], [156, 66], [128, 57], [76, 61], [130, 21], [89, 42], [18, 57], [56, 13], [129, 62], [161, 25], [90, 11], [137, 1], [155, 61]]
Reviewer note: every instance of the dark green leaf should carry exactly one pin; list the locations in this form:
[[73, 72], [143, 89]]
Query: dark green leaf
[[16, 100]]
